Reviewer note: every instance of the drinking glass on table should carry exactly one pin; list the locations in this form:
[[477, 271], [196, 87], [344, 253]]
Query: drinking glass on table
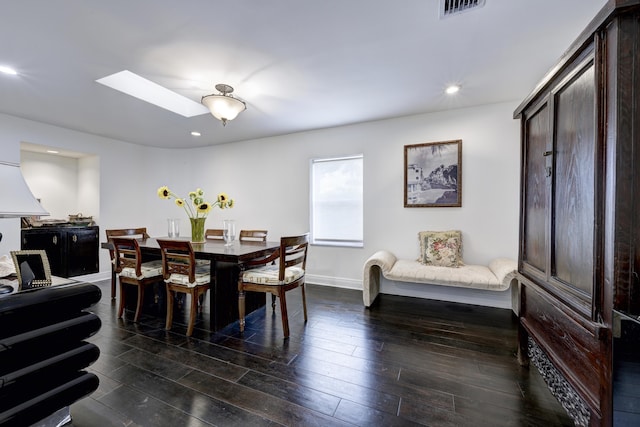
[[229, 231], [174, 227]]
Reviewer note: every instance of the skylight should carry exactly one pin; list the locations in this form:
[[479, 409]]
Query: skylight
[[146, 90]]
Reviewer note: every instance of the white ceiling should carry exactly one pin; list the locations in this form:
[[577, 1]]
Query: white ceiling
[[299, 64]]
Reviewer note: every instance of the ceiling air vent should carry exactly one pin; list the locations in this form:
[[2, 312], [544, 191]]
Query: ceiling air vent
[[455, 7]]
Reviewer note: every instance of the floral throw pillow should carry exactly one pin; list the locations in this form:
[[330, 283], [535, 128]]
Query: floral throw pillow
[[441, 248]]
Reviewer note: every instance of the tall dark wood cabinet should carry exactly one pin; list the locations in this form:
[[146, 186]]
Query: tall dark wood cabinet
[[71, 251], [579, 259]]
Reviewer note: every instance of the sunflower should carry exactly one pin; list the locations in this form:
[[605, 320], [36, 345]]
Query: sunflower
[[199, 207], [204, 208], [164, 192]]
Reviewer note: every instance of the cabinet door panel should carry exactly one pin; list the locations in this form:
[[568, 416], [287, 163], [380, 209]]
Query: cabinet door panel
[[574, 183], [82, 252], [536, 191]]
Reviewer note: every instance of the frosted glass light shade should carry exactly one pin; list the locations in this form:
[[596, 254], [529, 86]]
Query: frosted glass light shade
[[16, 199], [223, 107]]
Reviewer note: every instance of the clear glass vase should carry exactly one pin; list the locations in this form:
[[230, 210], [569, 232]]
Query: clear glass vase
[[197, 229]]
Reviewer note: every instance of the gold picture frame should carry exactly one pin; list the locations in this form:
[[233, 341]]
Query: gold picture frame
[[433, 174], [32, 268]]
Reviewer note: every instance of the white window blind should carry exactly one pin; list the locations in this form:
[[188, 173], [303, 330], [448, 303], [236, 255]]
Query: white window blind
[[337, 201]]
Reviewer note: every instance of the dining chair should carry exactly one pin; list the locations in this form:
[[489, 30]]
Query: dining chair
[[256, 236], [183, 275], [119, 232], [261, 275], [132, 271], [214, 234], [253, 236]]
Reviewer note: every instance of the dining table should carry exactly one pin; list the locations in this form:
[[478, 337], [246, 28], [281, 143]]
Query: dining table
[[227, 261]]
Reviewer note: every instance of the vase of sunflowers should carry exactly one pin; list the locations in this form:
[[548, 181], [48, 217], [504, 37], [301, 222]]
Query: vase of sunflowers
[[197, 208]]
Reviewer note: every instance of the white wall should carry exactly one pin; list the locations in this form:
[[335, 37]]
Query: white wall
[[129, 177], [53, 180], [269, 179]]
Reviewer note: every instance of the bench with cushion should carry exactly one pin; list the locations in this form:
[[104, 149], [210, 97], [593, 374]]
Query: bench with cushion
[[440, 263]]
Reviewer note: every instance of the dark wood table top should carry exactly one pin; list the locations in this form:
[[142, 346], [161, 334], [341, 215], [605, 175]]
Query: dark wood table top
[[215, 250]]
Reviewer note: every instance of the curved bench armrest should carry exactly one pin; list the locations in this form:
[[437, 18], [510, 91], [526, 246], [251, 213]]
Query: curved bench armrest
[[504, 268], [383, 259], [377, 264]]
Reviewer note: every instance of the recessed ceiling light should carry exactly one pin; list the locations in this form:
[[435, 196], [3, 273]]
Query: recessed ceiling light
[[52, 151], [8, 70], [452, 89], [146, 90], [195, 133]]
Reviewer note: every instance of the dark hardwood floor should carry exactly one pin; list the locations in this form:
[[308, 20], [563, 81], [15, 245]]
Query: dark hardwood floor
[[404, 361]]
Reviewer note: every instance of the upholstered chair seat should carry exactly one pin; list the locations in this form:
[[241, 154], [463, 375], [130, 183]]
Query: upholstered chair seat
[[148, 269], [269, 275]]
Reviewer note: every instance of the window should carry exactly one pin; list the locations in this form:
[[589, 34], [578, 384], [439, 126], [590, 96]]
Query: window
[[337, 201]]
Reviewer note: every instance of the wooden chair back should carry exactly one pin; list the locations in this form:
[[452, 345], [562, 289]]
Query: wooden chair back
[[293, 252], [214, 234], [253, 236], [177, 257], [127, 254], [131, 232]]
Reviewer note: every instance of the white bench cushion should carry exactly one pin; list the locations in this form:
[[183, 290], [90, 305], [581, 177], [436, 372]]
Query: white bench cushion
[[268, 275], [470, 276], [495, 277]]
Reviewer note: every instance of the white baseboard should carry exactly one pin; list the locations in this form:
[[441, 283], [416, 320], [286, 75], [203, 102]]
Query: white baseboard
[[95, 277], [336, 282]]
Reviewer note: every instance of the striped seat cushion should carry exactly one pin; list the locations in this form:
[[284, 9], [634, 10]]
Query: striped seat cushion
[[148, 269], [268, 275], [202, 277]]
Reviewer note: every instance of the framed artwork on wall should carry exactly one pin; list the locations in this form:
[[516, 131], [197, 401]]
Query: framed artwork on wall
[[433, 174]]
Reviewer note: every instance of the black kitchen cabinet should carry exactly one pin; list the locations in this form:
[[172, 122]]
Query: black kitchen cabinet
[[72, 251]]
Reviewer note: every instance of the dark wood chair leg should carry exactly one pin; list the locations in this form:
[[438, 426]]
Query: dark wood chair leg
[[139, 304], [122, 300], [194, 310], [113, 283], [273, 301], [169, 309], [283, 311], [304, 302]]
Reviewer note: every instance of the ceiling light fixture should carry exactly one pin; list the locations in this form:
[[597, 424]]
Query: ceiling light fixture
[[8, 70], [223, 106], [452, 89], [195, 133]]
